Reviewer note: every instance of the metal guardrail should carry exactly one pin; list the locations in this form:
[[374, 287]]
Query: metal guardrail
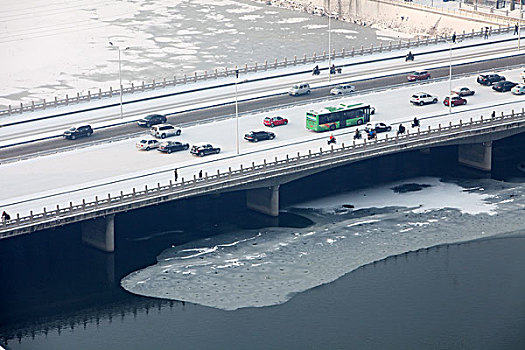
[[257, 172], [33, 106]]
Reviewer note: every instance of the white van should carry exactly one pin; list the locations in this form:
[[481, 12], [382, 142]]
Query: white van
[[299, 89]]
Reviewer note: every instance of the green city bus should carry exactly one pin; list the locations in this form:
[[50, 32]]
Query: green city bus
[[331, 118]]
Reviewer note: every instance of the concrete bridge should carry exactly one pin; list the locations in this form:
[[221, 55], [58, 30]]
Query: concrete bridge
[[261, 181]]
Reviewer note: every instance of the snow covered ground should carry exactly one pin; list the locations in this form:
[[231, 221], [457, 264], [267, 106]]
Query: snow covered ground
[[118, 166]]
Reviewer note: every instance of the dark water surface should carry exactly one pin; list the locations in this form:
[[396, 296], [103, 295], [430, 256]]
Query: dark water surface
[[58, 294]]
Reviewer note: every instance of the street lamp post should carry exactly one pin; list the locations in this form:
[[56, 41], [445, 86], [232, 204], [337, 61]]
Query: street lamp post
[[329, 47], [519, 25], [450, 78], [236, 112], [119, 76]]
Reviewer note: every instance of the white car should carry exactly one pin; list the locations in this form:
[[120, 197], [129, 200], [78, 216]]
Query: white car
[[342, 89], [422, 98], [164, 130], [518, 89], [299, 89]]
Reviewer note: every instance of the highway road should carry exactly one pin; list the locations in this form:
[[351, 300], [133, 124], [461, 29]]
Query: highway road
[[389, 78]]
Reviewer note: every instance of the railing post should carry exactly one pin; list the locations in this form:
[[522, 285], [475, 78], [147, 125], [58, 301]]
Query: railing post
[[153, 85], [32, 106], [31, 216], [134, 194], [121, 196], [70, 207], [45, 213], [83, 204]]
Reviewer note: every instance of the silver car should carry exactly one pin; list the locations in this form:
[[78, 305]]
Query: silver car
[[299, 89], [342, 89]]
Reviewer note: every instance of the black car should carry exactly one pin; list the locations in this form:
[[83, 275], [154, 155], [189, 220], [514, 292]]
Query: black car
[[255, 136], [489, 79], [204, 149], [78, 131], [152, 119], [173, 146], [503, 86]]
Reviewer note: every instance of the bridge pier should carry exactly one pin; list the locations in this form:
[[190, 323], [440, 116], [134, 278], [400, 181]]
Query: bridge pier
[[100, 233], [264, 200], [476, 155]]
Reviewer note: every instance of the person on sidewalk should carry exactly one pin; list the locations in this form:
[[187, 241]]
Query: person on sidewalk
[[516, 28], [486, 34], [454, 37], [5, 216]]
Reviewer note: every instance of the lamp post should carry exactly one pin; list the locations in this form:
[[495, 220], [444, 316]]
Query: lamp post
[[236, 112], [119, 75], [449, 76], [519, 25], [329, 47]]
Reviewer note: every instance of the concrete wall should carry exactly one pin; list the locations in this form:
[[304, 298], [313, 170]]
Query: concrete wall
[[385, 14]]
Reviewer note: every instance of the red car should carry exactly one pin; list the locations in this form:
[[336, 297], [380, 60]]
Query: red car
[[456, 100], [419, 75], [274, 121]]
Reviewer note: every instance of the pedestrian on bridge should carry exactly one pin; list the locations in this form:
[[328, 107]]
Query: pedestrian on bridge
[[486, 35], [5, 216], [454, 38], [516, 27], [175, 174], [200, 174]]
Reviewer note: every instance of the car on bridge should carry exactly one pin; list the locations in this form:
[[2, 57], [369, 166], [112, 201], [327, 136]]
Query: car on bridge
[[454, 101], [378, 127], [255, 136], [419, 75], [503, 86], [422, 98], [165, 130], [518, 89], [173, 146], [342, 89], [299, 89], [204, 149], [274, 121], [78, 131], [489, 79], [463, 91], [147, 144], [152, 119]]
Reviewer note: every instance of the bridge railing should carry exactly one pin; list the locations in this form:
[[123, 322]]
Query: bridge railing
[[229, 72], [255, 172]]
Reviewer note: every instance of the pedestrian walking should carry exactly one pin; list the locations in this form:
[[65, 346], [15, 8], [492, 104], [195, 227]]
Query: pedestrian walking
[[5, 216], [516, 27], [175, 174], [493, 115], [200, 174], [454, 37], [486, 35]]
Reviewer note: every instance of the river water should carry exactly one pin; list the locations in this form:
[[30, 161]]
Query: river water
[[430, 256]]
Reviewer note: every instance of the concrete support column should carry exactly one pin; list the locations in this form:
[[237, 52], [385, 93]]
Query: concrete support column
[[476, 155], [100, 233], [264, 200]]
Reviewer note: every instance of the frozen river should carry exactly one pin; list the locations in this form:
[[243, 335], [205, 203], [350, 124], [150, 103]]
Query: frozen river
[[55, 48]]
